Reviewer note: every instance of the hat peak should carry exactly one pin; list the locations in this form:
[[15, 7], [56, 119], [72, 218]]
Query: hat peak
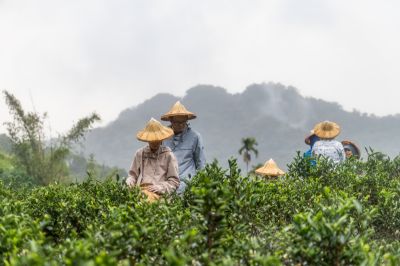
[[270, 168], [178, 109], [154, 131]]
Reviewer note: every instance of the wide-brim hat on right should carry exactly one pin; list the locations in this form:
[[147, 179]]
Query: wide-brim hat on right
[[178, 109], [154, 131], [347, 144], [327, 130], [270, 169]]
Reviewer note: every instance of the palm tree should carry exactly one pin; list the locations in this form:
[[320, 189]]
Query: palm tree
[[248, 146]]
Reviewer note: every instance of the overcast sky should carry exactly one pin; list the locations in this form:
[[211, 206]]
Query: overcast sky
[[72, 57]]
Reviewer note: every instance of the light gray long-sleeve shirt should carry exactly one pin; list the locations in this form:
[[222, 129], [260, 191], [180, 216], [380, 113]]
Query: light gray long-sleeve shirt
[[189, 150], [331, 149]]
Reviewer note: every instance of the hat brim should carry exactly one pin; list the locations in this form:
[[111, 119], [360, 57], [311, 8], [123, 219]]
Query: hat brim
[[167, 117], [327, 134], [145, 136], [269, 172], [356, 148], [307, 140]]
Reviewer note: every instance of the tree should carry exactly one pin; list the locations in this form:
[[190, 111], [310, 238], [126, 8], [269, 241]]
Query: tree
[[42, 159], [248, 147]]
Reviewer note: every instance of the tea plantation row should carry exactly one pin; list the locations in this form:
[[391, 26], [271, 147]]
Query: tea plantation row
[[323, 215]]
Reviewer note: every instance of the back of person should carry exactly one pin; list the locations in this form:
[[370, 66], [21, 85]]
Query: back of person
[[327, 146], [331, 149]]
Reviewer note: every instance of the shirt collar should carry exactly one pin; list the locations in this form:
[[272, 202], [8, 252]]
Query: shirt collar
[[183, 133], [148, 150]]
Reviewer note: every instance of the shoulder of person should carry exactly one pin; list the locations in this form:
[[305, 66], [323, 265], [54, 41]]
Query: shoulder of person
[[167, 152], [193, 133], [338, 143], [140, 150], [167, 140], [318, 143], [165, 149]]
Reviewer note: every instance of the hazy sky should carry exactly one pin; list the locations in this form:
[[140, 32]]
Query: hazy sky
[[73, 57]]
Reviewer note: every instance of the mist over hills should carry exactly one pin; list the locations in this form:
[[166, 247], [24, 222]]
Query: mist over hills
[[276, 115]]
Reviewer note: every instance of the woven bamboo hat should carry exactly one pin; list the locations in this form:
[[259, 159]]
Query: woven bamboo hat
[[154, 131], [347, 144], [270, 169], [307, 140], [178, 109], [327, 130]]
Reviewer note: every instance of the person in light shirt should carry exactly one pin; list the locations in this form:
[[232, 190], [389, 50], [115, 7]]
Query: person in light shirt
[[327, 146], [186, 143], [154, 167]]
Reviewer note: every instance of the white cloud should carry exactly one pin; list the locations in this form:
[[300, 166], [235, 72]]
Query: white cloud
[[79, 56]]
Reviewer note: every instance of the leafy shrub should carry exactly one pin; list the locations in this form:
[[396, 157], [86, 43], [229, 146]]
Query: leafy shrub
[[329, 214], [329, 234]]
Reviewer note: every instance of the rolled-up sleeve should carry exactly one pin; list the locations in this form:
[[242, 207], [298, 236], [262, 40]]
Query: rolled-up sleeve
[[199, 154]]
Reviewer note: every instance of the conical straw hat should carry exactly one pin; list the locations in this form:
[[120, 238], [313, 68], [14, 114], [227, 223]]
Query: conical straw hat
[[270, 169], [178, 110], [353, 147], [154, 131], [307, 140], [327, 130]]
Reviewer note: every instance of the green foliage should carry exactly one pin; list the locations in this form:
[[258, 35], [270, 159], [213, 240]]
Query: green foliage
[[329, 234], [323, 215], [42, 161], [5, 162]]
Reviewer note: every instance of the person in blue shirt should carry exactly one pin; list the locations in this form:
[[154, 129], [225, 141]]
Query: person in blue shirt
[[186, 144], [311, 140]]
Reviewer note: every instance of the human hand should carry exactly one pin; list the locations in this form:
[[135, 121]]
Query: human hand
[[155, 188], [130, 181]]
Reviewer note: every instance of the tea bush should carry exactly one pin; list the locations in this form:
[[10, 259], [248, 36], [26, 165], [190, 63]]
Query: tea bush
[[324, 215]]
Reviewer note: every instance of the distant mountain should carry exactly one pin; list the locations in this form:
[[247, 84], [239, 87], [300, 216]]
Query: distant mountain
[[5, 143], [277, 116]]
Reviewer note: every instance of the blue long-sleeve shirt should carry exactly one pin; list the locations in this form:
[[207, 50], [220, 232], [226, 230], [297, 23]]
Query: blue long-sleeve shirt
[[308, 154], [189, 150]]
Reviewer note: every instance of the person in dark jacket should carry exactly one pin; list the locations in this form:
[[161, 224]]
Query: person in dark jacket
[[310, 140]]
